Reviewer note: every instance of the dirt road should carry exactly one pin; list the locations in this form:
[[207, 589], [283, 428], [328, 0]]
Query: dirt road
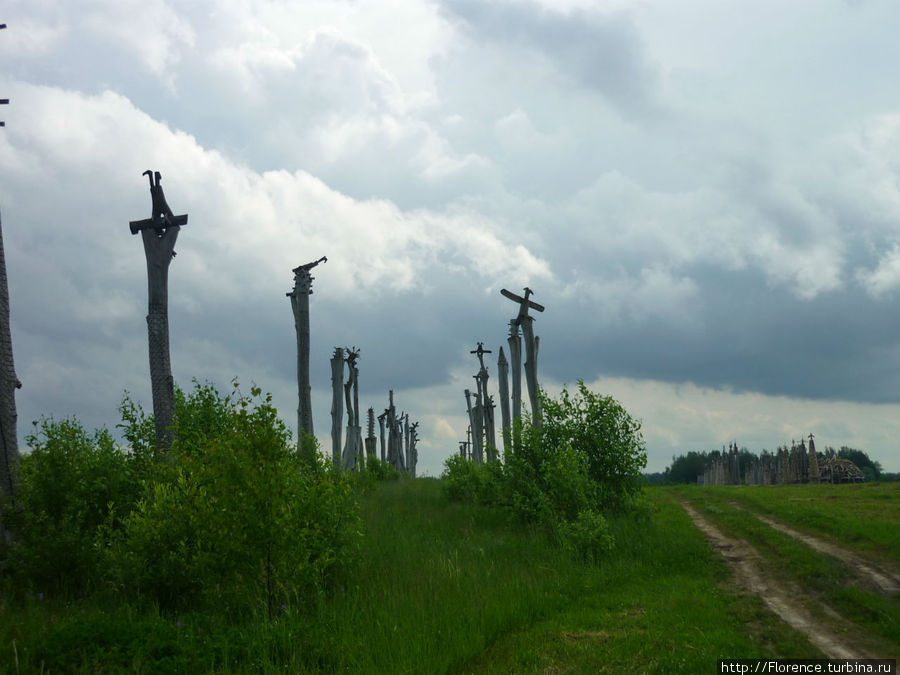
[[790, 604]]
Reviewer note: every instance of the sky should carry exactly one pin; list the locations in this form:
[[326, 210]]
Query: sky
[[705, 196]]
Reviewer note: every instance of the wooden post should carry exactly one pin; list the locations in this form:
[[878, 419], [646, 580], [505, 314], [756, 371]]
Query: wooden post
[[475, 423], [412, 458], [381, 420], [515, 354], [353, 444], [532, 344], [9, 467], [300, 306], [159, 234], [370, 433], [503, 375], [337, 405], [490, 442], [531, 349]]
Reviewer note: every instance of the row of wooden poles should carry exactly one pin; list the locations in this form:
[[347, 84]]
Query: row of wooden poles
[[398, 435], [481, 441], [159, 233]]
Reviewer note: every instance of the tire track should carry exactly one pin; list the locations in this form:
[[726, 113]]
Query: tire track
[[745, 562], [884, 580]]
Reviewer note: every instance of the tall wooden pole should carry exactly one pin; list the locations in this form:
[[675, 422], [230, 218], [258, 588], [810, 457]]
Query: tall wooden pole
[[9, 466], [532, 344], [515, 356], [337, 405], [503, 375], [159, 234], [300, 305], [9, 443]]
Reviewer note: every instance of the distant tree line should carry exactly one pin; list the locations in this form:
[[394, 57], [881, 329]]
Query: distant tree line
[[685, 468]]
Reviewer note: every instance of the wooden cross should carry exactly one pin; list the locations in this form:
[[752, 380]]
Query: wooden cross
[[524, 304], [480, 352], [161, 216]]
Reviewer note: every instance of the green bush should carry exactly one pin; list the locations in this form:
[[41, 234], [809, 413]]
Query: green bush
[[604, 435], [588, 536], [585, 458], [242, 517], [467, 481], [74, 488]]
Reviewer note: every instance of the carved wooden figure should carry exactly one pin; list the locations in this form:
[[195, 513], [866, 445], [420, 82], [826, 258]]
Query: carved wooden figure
[[337, 404], [370, 433], [300, 305], [353, 448], [159, 233]]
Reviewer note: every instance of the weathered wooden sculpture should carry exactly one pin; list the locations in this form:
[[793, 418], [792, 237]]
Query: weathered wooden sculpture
[[515, 354], [159, 233], [395, 436], [412, 457], [813, 461], [490, 436], [337, 404], [9, 462], [475, 425], [503, 376], [370, 433], [381, 422], [353, 447], [9, 467], [532, 344], [300, 305]]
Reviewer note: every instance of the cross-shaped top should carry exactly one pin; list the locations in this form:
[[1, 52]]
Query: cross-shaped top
[[524, 304]]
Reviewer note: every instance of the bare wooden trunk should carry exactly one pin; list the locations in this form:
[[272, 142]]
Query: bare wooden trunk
[[503, 375], [159, 253], [9, 467], [515, 357], [337, 404], [300, 306], [532, 344]]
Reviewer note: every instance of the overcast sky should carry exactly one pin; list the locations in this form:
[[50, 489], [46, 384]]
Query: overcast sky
[[704, 194]]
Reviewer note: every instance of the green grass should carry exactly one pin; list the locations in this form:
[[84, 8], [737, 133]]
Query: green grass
[[441, 587]]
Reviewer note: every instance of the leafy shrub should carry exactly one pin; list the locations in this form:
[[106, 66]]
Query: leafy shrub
[[74, 486], [602, 432], [467, 481], [587, 535], [585, 458], [242, 516]]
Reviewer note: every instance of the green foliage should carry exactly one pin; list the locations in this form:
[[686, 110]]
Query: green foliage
[[588, 535], [74, 487], [586, 458], [243, 517], [603, 435], [237, 515], [466, 481]]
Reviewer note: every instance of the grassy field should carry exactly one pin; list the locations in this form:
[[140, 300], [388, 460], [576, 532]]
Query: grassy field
[[445, 587]]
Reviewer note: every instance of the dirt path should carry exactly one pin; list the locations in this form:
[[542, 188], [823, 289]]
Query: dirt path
[[745, 561], [884, 580]]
